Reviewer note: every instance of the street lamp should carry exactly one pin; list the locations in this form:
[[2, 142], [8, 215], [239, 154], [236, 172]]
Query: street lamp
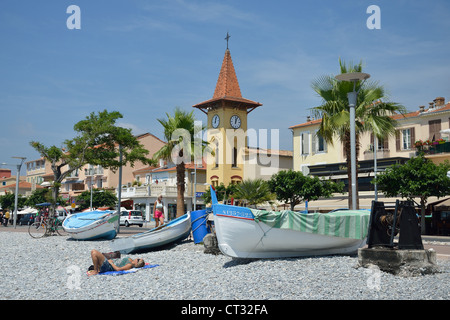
[[353, 77], [17, 187]]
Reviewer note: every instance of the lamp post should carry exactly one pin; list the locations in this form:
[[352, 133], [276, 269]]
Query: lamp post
[[19, 166], [352, 96]]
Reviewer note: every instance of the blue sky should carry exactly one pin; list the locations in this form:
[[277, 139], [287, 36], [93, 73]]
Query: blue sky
[[144, 58]]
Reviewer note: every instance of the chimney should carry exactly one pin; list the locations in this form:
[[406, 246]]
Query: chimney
[[439, 101], [431, 105], [308, 118], [422, 109]]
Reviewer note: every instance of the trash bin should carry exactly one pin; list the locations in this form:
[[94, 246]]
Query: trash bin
[[199, 227]]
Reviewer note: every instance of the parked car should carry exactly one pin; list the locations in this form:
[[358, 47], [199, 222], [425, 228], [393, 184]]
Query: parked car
[[129, 217], [27, 219]]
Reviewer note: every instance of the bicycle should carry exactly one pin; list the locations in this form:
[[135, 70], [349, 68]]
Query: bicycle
[[46, 227]]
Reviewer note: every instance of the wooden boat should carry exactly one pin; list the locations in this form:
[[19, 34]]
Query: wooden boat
[[176, 230], [247, 233], [91, 225]]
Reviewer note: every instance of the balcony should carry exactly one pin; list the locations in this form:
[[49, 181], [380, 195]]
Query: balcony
[[150, 191], [381, 154], [434, 148]]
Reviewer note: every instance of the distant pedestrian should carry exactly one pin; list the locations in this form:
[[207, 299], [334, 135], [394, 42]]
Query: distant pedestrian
[[159, 211], [6, 218]]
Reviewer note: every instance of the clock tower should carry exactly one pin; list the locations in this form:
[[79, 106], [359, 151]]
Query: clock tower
[[227, 126]]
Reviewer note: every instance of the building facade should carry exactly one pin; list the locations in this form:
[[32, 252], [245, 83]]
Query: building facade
[[312, 155]]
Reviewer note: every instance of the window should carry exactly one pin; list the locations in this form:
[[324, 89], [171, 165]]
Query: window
[[217, 155], [235, 153], [318, 143], [406, 139]]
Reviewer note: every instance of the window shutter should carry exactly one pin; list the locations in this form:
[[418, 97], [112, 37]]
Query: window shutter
[[397, 140], [413, 137]]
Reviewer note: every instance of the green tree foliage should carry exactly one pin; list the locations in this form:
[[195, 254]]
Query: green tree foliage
[[182, 146], [100, 198], [253, 192], [7, 201], [97, 142], [371, 113], [222, 193], [41, 196], [419, 178], [293, 187]]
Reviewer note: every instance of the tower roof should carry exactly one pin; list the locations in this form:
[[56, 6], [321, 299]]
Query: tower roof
[[227, 88], [227, 84]]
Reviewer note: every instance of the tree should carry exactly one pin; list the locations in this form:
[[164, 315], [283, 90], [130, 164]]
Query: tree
[[100, 198], [97, 143], [7, 201], [182, 146], [222, 192], [253, 192], [293, 187], [371, 113], [41, 196], [419, 178]]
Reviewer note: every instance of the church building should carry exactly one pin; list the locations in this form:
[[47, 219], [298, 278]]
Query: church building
[[227, 133]]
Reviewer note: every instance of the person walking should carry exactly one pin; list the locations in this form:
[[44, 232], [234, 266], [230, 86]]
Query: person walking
[[159, 211]]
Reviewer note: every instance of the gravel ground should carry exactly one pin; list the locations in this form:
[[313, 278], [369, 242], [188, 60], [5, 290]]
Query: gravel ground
[[55, 268]]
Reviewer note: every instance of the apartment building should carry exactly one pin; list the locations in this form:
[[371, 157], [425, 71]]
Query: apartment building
[[312, 155]]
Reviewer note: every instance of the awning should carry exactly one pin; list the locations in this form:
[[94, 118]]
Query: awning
[[442, 205]]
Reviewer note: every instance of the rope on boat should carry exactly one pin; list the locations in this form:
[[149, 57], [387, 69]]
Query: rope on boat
[[204, 216]]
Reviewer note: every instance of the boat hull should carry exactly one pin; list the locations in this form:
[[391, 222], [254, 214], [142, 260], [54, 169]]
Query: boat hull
[[240, 236], [86, 226], [172, 232]]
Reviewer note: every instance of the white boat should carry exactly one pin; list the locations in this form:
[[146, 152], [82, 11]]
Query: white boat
[[91, 225], [176, 230], [247, 233]]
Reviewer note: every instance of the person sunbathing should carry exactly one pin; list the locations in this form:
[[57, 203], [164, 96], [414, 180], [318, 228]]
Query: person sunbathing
[[101, 264]]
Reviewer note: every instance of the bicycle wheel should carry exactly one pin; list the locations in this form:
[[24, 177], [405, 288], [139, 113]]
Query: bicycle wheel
[[37, 229], [59, 228]]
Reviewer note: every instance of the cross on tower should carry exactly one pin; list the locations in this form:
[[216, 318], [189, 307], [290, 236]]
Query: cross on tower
[[227, 38]]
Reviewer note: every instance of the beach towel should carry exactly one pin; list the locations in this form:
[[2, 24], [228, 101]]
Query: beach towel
[[132, 270]]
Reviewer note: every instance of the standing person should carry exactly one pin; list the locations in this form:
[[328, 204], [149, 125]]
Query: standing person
[[159, 211], [6, 217]]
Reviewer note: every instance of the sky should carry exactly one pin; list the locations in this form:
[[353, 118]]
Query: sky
[[143, 58]]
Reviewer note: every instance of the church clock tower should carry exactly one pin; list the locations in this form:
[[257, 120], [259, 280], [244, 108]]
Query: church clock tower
[[227, 126]]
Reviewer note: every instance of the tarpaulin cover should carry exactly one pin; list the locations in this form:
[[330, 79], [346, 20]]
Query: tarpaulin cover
[[344, 223]]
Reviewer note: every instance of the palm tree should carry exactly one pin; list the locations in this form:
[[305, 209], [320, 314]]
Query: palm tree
[[179, 133], [253, 192], [372, 114]]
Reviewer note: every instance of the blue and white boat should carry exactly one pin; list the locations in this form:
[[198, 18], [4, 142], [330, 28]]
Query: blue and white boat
[[176, 230], [92, 225], [248, 233]]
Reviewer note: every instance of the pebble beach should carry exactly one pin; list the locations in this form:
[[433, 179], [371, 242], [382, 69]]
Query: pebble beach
[[54, 268]]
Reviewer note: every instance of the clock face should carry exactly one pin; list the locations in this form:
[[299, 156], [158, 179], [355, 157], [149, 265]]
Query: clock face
[[235, 121], [215, 121]]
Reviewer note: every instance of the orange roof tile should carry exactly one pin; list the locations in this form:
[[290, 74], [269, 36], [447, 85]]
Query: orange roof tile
[[227, 84], [395, 117]]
